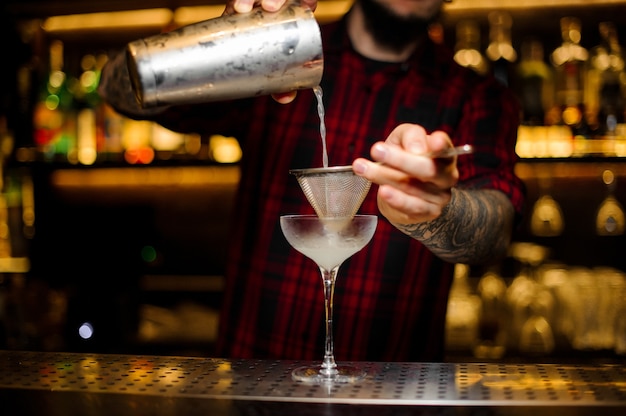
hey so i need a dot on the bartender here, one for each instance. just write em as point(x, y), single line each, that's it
point(391, 94)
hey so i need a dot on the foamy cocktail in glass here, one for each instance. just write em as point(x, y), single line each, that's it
point(328, 242)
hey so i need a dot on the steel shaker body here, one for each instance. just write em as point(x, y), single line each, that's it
point(229, 57)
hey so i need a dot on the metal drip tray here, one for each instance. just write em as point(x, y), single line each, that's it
point(161, 385)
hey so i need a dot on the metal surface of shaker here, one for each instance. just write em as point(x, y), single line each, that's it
point(229, 57)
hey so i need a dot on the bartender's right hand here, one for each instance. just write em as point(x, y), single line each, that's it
point(244, 6)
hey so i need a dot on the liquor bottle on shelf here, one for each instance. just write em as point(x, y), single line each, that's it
point(500, 50)
point(610, 215)
point(569, 60)
point(491, 289)
point(534, 83)
point(462, 317)
point(89, 117)
point(606, 80)
point(54, 119)
point(467, 48)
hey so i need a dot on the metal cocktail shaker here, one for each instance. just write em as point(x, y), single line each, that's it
point(233, 56)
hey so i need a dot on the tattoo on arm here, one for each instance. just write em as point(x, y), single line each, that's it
point(474, 227)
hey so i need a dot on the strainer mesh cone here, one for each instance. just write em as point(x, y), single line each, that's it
point(334, 192)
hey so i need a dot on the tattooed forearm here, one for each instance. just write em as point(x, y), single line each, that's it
point(474, 227)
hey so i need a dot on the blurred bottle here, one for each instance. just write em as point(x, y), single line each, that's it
point(524, 305)
point(606, 79)
point(586, 304)
point(467, 49)
point(620, 321)
point(492, 323)
point(569, 60)
point(500, 50)
point(6, 148)
point(436, 32)
point(546, 217)
point(113, 129)
point(611, 283)
point(536, 335)
point(534, 83)
point(53, 119)
point(610, 218)
point(463, 312)
point(90, 113)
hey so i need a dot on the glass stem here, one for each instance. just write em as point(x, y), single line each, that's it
point(329, 367)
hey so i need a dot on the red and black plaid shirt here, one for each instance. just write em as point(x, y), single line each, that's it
point(391, 297)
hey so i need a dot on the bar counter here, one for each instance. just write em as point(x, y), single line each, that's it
point(51, 383)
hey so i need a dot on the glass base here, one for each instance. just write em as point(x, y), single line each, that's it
point(316, 374)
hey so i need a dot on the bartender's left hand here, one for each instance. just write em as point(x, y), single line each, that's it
point(244, 6)
point(412, 188)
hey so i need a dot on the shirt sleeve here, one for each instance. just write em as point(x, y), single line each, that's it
point(490, 122)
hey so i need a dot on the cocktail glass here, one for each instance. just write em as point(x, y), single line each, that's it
point(328, 242)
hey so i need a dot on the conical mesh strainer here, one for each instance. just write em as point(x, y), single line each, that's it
point(333, 192)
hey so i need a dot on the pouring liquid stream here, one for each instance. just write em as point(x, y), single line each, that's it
point(320, 111)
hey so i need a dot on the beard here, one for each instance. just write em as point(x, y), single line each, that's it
point(391, 30)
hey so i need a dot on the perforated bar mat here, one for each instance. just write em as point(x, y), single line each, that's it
point(214, 386)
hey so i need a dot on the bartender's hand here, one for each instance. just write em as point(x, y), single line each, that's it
point(244, 6)
point(419, 196)
point(413, 188)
